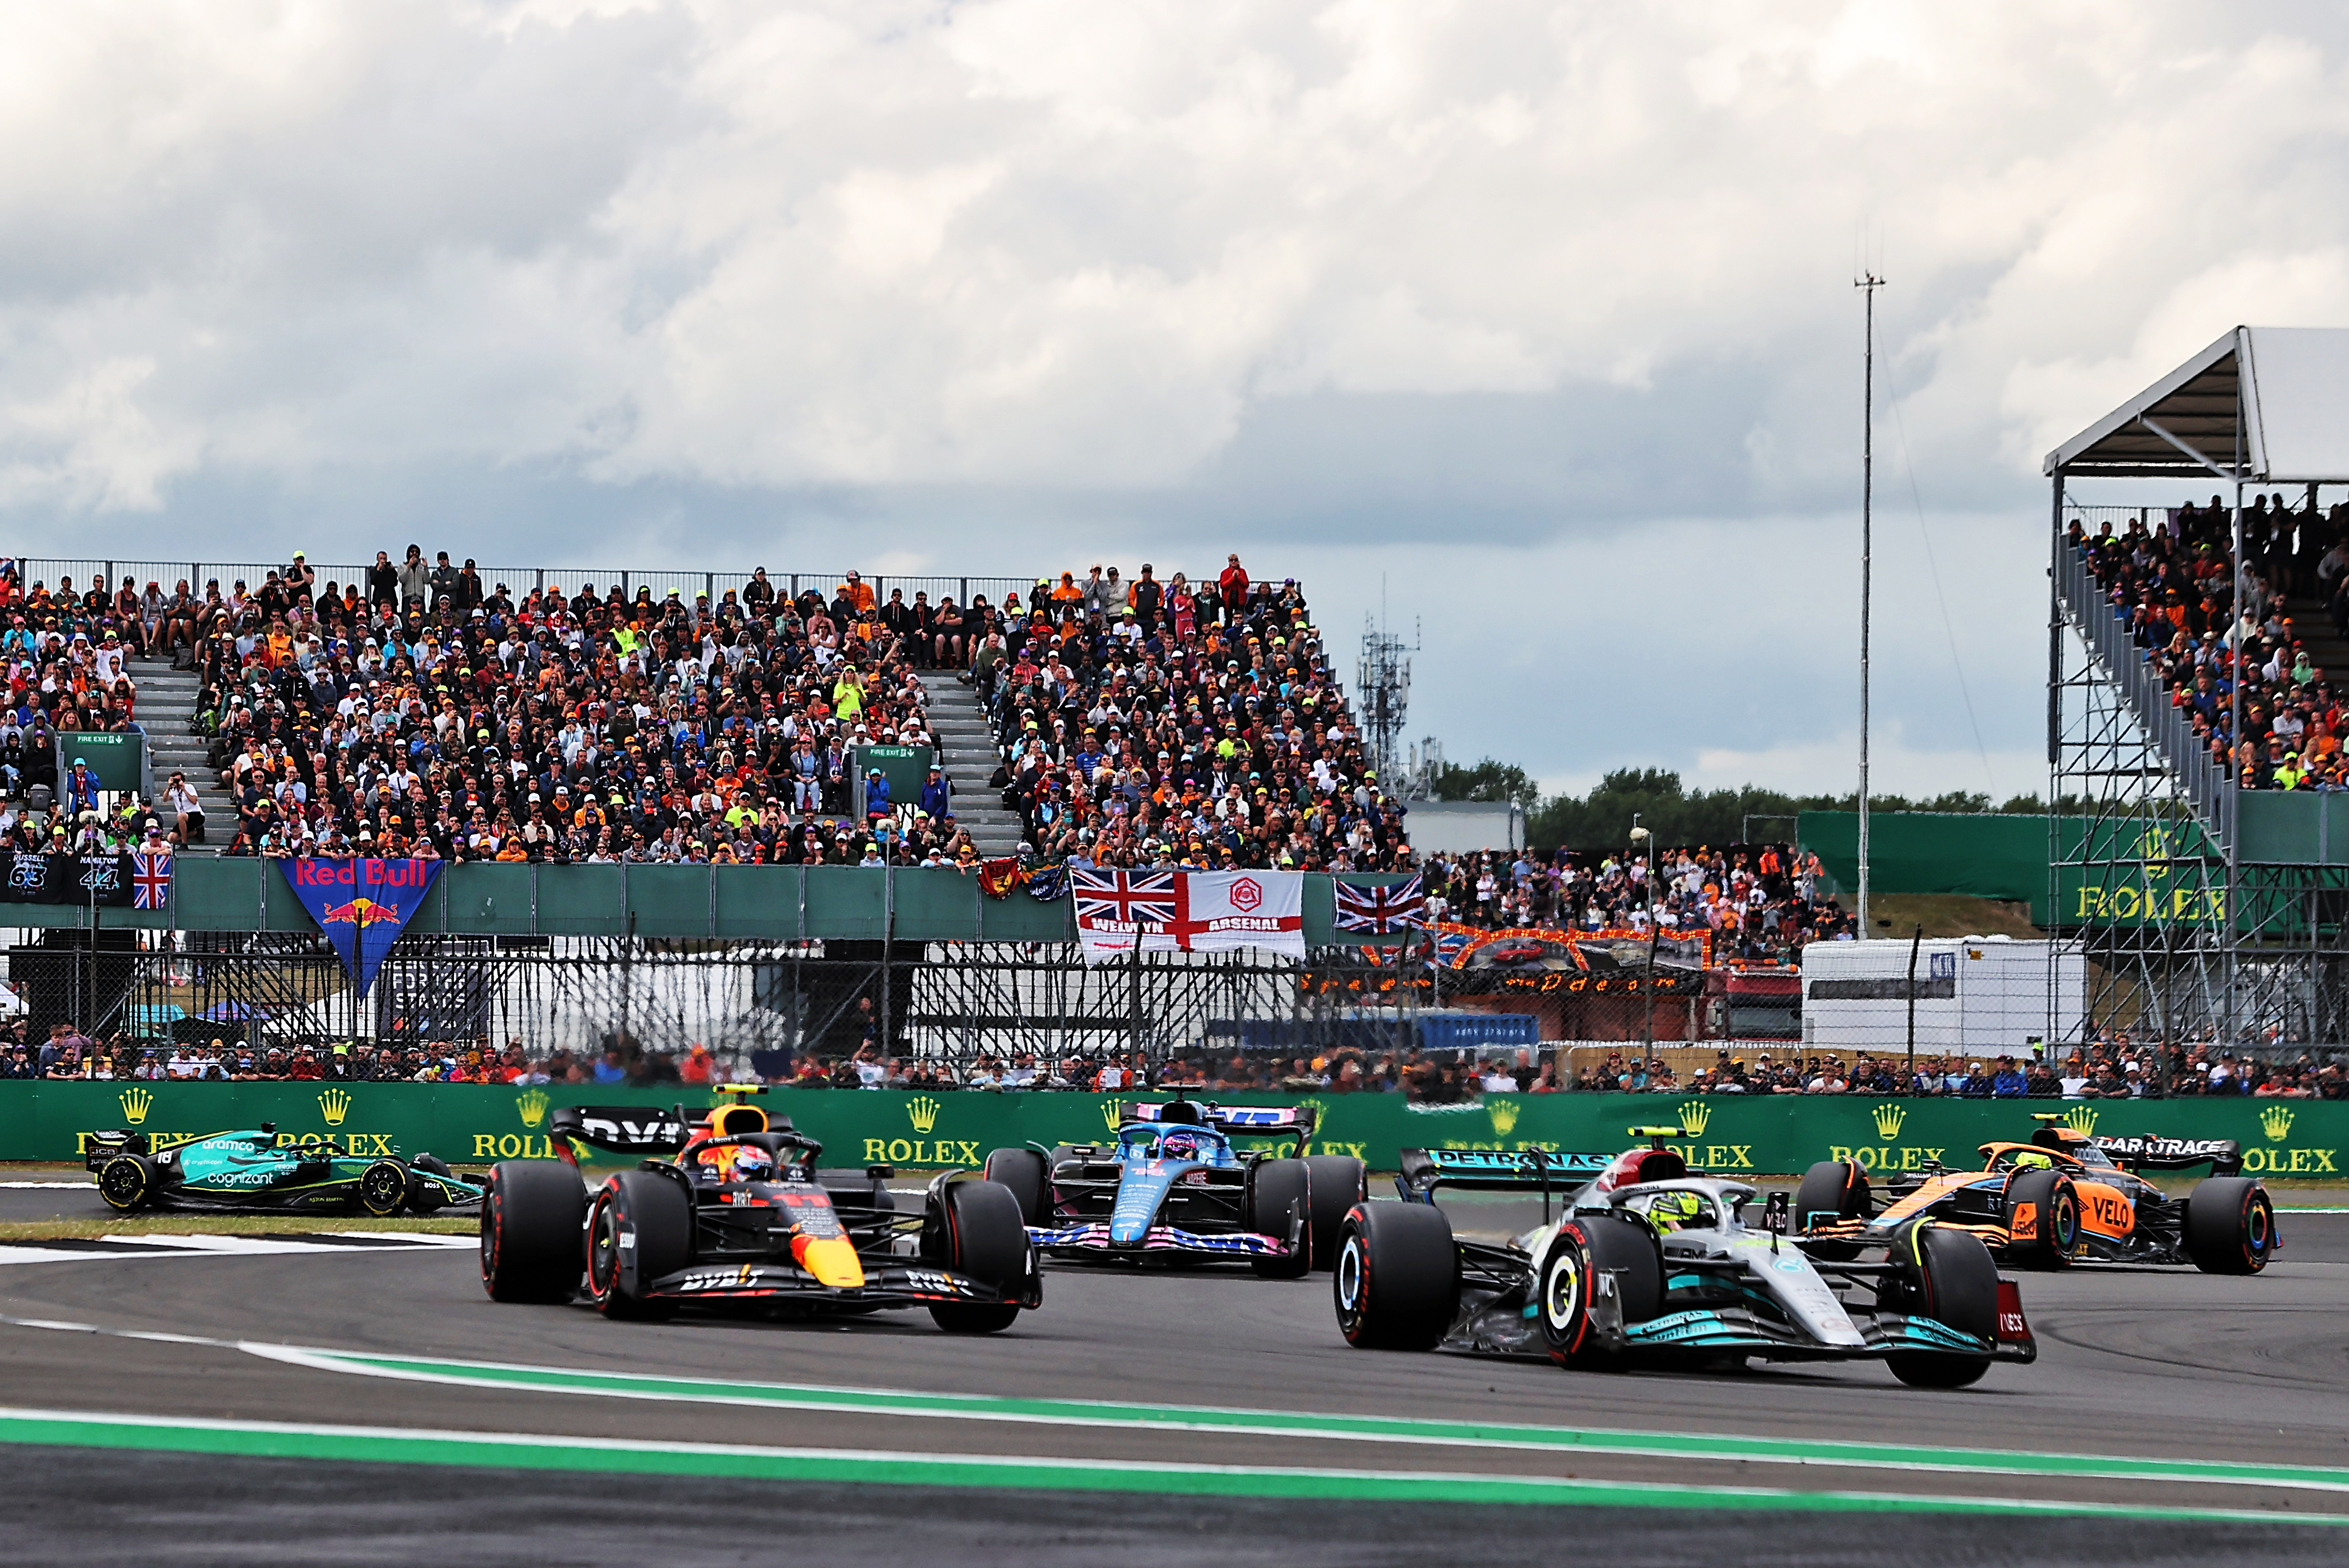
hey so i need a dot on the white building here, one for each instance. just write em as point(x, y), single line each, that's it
point(1985, 997)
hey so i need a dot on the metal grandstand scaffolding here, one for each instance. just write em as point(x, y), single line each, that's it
point(2206, 912)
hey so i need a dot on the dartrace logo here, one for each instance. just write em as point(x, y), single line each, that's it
point(136, 1103)
point(1693, 1114)
point(531, 1108)
point(1888, 1119)
point(2081, 1119)
point(1113, 1114)
point(335, 1105)
point(2275, 1121)
point(1504, 1115)
point(922, 1113)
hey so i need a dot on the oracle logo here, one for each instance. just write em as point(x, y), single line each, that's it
point(1245, 894)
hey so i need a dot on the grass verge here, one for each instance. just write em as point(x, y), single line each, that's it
point(227, 1225)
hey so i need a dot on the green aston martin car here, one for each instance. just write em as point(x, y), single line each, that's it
point(252, 1171)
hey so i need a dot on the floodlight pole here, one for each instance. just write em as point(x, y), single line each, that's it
point(1867, 283)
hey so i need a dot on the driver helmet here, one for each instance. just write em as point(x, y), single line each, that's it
point(2032, 1160)
point(1179, 1146)
point(750, 1163)
point(1672, 1210)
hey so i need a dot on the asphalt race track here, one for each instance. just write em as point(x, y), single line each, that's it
point(272, 1400)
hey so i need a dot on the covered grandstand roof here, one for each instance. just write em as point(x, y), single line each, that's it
point(2262, 405)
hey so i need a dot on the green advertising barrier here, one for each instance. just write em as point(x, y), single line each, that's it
point(1727, 1133)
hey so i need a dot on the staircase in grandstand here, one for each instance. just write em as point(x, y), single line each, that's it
point(970, 756)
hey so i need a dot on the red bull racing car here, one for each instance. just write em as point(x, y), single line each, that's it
point(2064, 1198)
point(737, 1215)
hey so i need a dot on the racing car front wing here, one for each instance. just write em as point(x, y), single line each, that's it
point(1094, 1237)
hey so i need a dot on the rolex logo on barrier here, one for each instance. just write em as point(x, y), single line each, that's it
point(1889, 1119)
point(2275, 1121)
point(1693, 1114)
point(531, 1108)
point(1113, 1114)
point(922, 1113)
point(2081, 1119)
point(1504, 1115)
point(136, 1103)
point(335, 1105)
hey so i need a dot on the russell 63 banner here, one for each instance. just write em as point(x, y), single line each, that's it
point(361, 905)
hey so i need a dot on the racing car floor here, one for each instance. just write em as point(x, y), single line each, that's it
point(333, 1403)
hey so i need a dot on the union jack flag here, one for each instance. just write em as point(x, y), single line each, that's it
point(1381, 910)
point(151, 880)
point(1125, 897)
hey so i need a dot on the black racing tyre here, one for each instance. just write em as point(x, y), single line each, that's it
point(650, 1215)
point(1831, 1191)
point(1955, 1284)
point(2229, 1226)
point(1396, 1279)
point(1564, 1282)
point(127, 1182)
point(531, 1220)
point(1280, 1194)
point(983, 1236)
point(1336, 1183)
point(2053, 1219)
point(383, 1188)
point(1023, 1172)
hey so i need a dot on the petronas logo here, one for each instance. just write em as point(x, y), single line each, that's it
point(1504, 1115)
point(2081, 1119)
point(531, 1107)
point(2275, 1121)
point(335, 1105)
point(922, 1113)
point(1693, 1114)
point(1889, 1119)
point(136, 1103)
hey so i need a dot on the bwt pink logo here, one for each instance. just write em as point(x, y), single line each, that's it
point(1247, 895)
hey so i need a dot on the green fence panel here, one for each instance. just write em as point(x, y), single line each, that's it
point(485, 897)
point(934, 904)
point(844, 902)
point(582, 900)
point(1729, 1135)
point(758, 900)
point(1021, 918)
point(670, 900)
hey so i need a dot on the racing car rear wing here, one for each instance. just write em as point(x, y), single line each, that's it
point(640, 1129)
point(1262, 1121)
point(2148, 1151)
point(1422, 1170)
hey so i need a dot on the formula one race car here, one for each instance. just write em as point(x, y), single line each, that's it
point(1174, 1187)
point(1653, 1263)
point(251, 1171)
point(739, 1216)
point(2060, 1200)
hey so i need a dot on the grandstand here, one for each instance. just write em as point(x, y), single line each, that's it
point(2194, 714)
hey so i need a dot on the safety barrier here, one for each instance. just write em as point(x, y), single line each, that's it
point(1729, 1135)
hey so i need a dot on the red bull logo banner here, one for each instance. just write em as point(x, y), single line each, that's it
point(362, 905)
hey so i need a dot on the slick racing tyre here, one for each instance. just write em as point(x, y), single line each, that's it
point(1566, 1283)
point(2044, 1202)
point(1280, 1194)
point(127, 1182)
point(982, 1236)
point(639, 1231)
point(1954, 1283)
point(531, 1219)
point(1337, 1182)
point(2229, 1226)
point(1396, 1282)
point(1023, 1172)
point(383, 1188)
point(1832, 1190)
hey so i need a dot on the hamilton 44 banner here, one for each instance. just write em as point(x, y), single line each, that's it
point(1187, 911)
point(361, 905)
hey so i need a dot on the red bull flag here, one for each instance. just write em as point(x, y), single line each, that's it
point(362, 905)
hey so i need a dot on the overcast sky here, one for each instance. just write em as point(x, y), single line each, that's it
point(1532, 322)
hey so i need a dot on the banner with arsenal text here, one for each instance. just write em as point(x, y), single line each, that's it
point(361, 905)
point(1187, 911)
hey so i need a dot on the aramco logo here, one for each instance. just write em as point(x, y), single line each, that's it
point(922, 1113)
point(2081, 1119)
point(531, 1108)
point(1247, 894)
point(2275, 1121)
point(335, 1105)
point(1693, 1116)
point(1504, 1114)
point(1889, 1119)
point(136, 1103)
